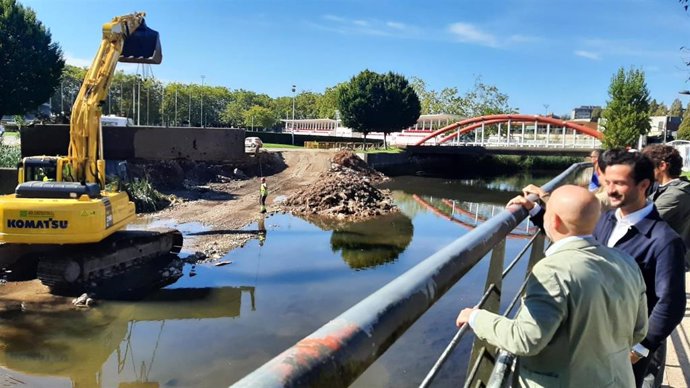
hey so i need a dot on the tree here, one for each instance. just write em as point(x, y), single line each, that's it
point(684, 129)
point(328, 103)
point(30, 63)
point(378, 102)
point(483, 99)
point(627, 112)
point(676, 109)
point(258, 116)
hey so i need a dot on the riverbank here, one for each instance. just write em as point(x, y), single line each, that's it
point(224, 209)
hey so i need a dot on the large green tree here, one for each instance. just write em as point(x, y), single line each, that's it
point(30, 63)
point(676, 108)
point(626, 116)
point(684, 129)
point(378, 102)
point(327, 105)
point(259, 116)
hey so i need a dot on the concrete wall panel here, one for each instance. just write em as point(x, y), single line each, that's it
point(8, 180)
point(208, 144)
point(151, 143)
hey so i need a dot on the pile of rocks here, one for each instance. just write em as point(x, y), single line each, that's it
point(344, 192)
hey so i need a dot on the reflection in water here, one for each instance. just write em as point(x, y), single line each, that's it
point(76, 344)
point(140, 281)
point(261, 226)
point(373, 242)
point(471, 214)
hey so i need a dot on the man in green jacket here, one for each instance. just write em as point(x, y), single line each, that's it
point(584, 306)
point(672, 195)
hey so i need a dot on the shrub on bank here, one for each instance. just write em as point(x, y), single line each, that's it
point(10, 155)
point(532, 163)
point(145, 197)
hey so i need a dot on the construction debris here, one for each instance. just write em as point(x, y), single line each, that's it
point(345, 192)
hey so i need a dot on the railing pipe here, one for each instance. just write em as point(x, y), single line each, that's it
point(500, 375)
point(338, 352)
point(453, 343)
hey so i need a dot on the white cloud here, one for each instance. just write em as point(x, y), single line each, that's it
point(517, 38)
point(396, 25)
point(334, 18)
point(467, 33)
point(74, 61)
point(129, 68)
point(587, 54)
point(347, 26)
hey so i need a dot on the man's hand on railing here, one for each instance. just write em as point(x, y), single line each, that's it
point(522, 201)
point(534, 189)
point(464, 316)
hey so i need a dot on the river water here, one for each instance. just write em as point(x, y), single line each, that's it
point(215, 324)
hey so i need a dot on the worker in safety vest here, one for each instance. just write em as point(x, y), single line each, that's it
point(263, 193)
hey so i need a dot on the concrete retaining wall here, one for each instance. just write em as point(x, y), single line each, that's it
point(379, 161)
point(8, 180)
point(150, 143)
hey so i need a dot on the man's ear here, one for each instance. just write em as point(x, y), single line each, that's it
point(557, 222)
point(663, 166)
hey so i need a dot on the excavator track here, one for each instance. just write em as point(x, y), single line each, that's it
point(84, 266)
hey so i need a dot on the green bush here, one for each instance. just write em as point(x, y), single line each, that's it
point(145, 197)
point(10, 155)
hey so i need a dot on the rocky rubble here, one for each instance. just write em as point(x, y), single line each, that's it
point(345, 192)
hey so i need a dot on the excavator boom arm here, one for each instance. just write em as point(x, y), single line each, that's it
point(125, 38)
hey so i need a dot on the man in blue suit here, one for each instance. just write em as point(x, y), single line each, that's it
point(635, 227)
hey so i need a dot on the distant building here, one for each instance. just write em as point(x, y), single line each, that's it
point(659, 123)
point(583, 113)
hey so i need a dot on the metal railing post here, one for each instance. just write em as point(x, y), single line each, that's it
point(480, 349)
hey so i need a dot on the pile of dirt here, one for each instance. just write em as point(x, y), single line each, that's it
point(351, 161)
point(345, 192)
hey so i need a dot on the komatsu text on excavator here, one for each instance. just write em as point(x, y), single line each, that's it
point(61, 216)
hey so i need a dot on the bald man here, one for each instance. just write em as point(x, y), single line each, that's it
point(583, 309)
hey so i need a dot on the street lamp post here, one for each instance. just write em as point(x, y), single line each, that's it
point(202, 100)
point(294, 89)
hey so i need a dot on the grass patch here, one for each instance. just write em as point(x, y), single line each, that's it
point(10, 155)
point(11, 134)
point(390, 150)
point(276, 145)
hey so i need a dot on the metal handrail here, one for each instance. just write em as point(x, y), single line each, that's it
point(465, 327)
point(338, 352)
point(453, 343)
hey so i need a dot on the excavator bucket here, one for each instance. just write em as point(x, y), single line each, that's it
point(143, 46)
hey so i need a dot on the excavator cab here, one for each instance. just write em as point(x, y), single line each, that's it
point(143, 46)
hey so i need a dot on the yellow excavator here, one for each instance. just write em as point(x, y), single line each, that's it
point(61, 216)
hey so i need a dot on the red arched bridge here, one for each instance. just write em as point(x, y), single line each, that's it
point(515, 131)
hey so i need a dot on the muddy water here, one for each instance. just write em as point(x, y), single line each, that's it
point(215, 324)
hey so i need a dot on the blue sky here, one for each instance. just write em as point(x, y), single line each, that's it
point(560, 53)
